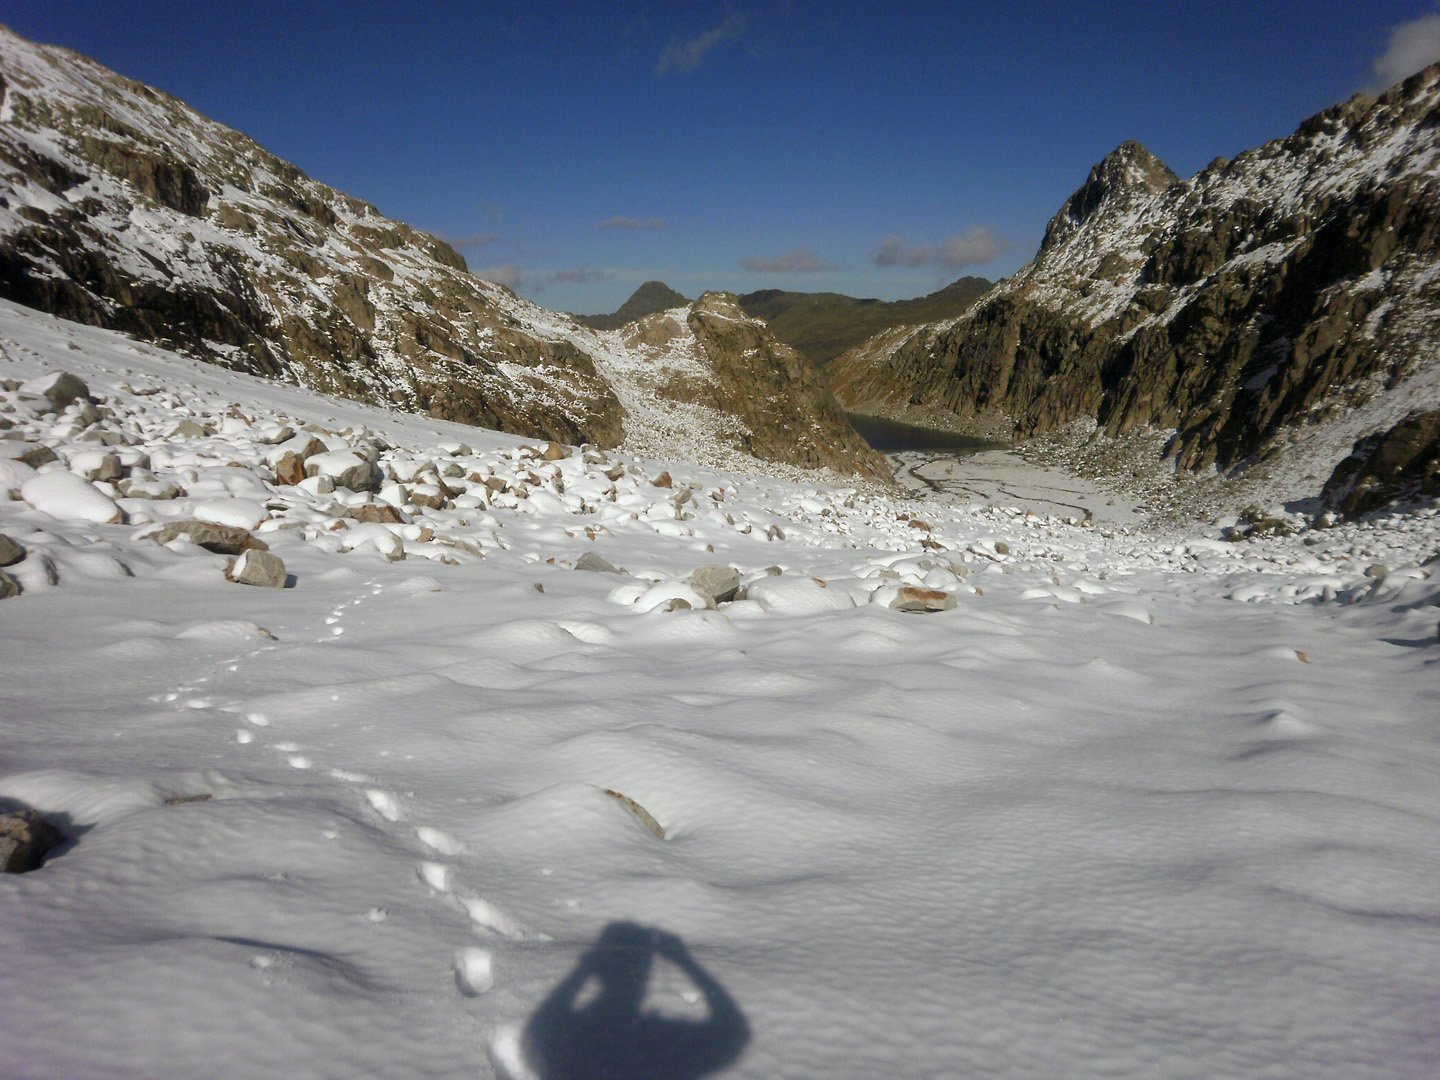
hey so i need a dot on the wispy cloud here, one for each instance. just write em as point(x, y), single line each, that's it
point(473, 240)
point(515, 278)
point(508, 275)
point(973, 247)
point(1412, 46)
point(622, 222)
point(799, 261)
point(687, 54)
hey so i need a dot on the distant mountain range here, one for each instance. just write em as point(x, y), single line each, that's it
point(1276, 315)
point(820, 325)
point(122, 207)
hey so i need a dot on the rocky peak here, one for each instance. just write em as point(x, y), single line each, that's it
point(648, 299)
point(1126, 175)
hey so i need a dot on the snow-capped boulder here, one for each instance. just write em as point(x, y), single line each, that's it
point(66, 496)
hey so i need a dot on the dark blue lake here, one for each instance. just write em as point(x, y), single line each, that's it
point(891, 437)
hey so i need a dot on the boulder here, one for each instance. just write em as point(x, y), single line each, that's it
point(915, 599)
point(720, 583)
point(40, 455)
point(25, 839)
point(221, 539)
point(378, 513)
point(553, 452)
point(290, 469)
point(346, 469)
point(11, 552)
point(59, 388)
point(596, 564)
point(258, 568)
point(8, 586)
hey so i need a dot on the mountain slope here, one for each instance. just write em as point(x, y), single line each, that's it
point(649, 299)
point(824, 325)
point(1271, 310)
point(121, 207)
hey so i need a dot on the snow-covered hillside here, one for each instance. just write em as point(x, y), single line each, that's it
point(1135, 805)
point(122, 207)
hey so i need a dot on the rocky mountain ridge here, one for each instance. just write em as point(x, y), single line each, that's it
point(122, 207)
point(1267, 315)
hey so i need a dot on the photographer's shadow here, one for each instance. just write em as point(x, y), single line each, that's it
point(593, 1025)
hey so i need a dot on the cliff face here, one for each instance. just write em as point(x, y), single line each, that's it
point(122, 207)
point(1294, 287)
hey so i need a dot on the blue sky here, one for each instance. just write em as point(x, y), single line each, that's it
point(575, 150)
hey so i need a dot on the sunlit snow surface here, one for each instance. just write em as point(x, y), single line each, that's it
point(1141, 805)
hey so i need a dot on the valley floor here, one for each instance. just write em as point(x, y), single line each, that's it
point(1141, 804)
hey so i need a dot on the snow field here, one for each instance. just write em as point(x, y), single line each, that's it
point(1140, 805)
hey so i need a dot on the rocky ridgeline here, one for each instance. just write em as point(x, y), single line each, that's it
point(121, 207)
point(1275, 307)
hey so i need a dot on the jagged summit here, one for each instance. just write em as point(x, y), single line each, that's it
point(649, 298)
point(1261, 318)
point(1126, 175)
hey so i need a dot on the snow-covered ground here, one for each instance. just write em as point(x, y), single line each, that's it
point(1141, 804)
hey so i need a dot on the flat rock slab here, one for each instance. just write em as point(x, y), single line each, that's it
point(914, 599)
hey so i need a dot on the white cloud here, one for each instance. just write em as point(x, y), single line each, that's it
point(509, 275)
point(517, 279)
point(973, 247)
point(622, 222)
point(1413, 45)
point(799, 261)
point(687, 54)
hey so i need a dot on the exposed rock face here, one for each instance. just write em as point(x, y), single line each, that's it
point(1292, 286)
point(121, 207)
point(1402, 462)
point(776, 402)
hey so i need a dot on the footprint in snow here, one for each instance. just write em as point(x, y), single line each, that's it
point(486, 916)
point(439, 841)
point(383, 803)
point(474, 970)
point(435, 875)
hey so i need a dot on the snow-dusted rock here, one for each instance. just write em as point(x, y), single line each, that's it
point(596, 563)
point(25, 839)
point(345, 468)
point(719, 582)
point(8, 586)
point(221, 539)
point(64, 495)
point(59, 388)
point(237, 513)
point(256, 567)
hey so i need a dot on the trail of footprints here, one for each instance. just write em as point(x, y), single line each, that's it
point(474, 965)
